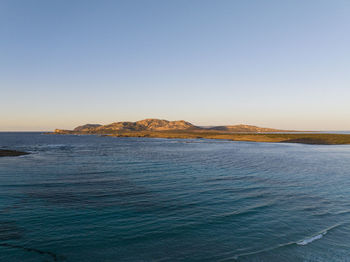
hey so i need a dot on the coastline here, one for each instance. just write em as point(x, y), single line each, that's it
point(301, 138)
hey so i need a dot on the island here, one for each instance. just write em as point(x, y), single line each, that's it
point(4, 152)
point(157, 128)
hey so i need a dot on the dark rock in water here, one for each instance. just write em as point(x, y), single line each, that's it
point(12, 153)
point(54, 256)
point(9, 231)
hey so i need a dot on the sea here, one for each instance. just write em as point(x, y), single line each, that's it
point(96, 198)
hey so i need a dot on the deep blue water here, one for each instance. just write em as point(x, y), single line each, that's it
point(90, 198)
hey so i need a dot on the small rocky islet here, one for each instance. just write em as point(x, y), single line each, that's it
point(6, 152)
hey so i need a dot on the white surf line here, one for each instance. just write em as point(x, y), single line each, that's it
point(315, 237)
point(311, 239)
point(318, 235)
point(258, 251)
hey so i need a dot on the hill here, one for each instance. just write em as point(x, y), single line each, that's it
point(247, 129)
point(152, 124)
point(158, 128)
point(142, 125)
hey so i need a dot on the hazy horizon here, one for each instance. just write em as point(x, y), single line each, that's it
point(275, 64)
point(200, 125)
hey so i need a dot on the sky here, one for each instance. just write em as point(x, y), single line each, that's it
point(279, 64)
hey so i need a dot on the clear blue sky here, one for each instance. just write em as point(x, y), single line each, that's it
point(282, 64)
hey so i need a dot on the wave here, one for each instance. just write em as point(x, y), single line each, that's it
point(303, 242)
point(343, 212)
point(319, 235)
point(311, 239)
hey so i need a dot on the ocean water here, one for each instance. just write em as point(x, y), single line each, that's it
point(90, 198)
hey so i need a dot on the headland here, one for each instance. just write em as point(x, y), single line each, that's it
point(156, 128)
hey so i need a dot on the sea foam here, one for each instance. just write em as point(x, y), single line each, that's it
point(311, 239)
point(318, 236)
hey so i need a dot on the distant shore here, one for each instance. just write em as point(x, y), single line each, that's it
point(160, 128)
point(303, 138)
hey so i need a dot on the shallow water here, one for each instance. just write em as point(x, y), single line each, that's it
point(90, 198)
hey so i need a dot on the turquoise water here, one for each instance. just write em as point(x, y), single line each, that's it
point(89, 198)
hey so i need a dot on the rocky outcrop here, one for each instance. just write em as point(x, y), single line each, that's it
point(4, 152)
point(149, 124)
point(161, 125)
point(63, 131)
point(143, 125)
point(86, 128)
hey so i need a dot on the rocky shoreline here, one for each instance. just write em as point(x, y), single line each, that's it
point(301, 138)
point(5, 152)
